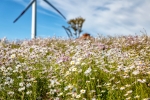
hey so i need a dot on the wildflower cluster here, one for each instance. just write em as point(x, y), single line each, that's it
point(112, 68)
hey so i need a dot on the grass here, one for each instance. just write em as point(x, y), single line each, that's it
point(109, 68)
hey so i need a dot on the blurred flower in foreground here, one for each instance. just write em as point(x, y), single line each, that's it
point(13, 56)
point(88, 71)
point(136, 72)
point(82, 91)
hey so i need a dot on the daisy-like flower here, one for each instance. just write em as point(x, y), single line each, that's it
point(88, 71)
point(136, 72)
point(67, 73)
point(78, 96)
point(136, 96)
point(13, 56)
point(128, 98)
point(132, 67)
point(82, 91)
point(128, 85)
point(128, 92)
point(141, 80)
point(77, 61)
point(82, 64)
point(72, 62)
point(28, 92)
point(148, 84)
point(28, 84)
point(74, 94)
point(93, 98)
point(103, 91)
point(21, 89)
point(21, 84)
point(10, 93)
point(74, 69)
point(122, 88)
point(126, 95)
point(60, 94)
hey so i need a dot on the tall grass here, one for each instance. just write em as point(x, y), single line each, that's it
point(112, 68)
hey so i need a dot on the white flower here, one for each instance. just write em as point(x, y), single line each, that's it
point(11, 81)
point(146, 98)
point(18, 66)
point(126, 95)
point(21, 89)
point(128, 85)
point(131, 67)
point(88, 71)
point(68, 87)
point(67, 73)
point(74, 95)
point(128, 92)
point(80, 70)
point(92, 91)
point(8, 78)
point(9, 68)
point(93, 98)
point(72, 62)
point(77, 62)
point(125, 76)
point(108, 84)
point(20, 77)
point(122, 88)
point(74, 69)
point(136, 72)
point(128, 98)
point(10, 93)
point(60, 94)
point(142, 81)
point(28, 84)
point(79, 59)
point(82, 91)
point(6, 83)
point(82, 64)
point(28, 92)
point(56, 98)
point(78, 96)
point(137, 96)
point(21, 84)
point(117, 82)
point(13, 56)
point(3, 68)
point(103, 91)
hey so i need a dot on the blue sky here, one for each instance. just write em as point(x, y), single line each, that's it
point(107, 17)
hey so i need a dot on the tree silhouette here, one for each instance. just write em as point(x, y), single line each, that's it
point(76, 25)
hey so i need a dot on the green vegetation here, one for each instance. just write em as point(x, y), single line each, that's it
point(108, 68)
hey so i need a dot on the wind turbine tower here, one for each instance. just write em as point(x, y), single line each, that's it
point(33, 3)
point(33, 27)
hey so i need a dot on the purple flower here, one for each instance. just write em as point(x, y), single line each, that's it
point(62, 58)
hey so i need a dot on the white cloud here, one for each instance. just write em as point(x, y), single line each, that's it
point(107, 16)
point(110, 17)
point(22, 2)
point(46, 13)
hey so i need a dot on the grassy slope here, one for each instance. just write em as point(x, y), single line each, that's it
point(112, 68)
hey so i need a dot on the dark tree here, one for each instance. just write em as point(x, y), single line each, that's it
point(75, 25)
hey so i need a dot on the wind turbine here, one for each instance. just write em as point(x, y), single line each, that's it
point(33, 3)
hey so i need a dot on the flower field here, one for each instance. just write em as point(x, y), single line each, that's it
point(107, 68)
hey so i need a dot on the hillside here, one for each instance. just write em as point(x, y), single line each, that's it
point(107, 68)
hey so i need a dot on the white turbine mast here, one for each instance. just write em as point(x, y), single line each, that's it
point(33, 3)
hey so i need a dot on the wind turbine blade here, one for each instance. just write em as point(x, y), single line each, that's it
point(24, 11)
point(55, 9)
